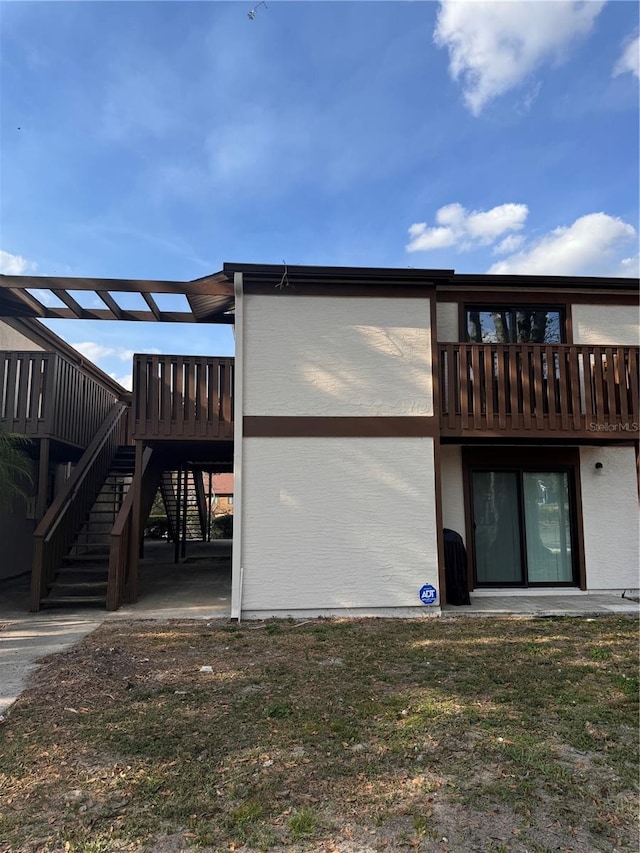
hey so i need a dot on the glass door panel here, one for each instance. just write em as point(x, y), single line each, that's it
point(497, 529)
point(547, 527)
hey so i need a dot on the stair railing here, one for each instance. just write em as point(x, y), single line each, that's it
point(201, 500)
point(123, 552)
point(63, 520)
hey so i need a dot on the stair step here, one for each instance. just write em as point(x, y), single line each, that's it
point(95, 569)
point(79, 586)
point(73, 599)
point(85, 558)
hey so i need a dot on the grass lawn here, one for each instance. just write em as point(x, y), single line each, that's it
point(336, 736)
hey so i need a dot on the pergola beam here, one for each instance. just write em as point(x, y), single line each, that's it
point(213, 298)
point(211, 286)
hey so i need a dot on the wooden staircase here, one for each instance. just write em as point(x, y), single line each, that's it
point(172, 491)
point(82, 577)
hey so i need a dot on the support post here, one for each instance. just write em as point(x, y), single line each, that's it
point(238, 413)
point(185, 497)
point(136, 532)
point(178, 526)
point(43, 478)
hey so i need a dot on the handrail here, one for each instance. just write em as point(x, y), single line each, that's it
point(120, 548)
point(63, 519)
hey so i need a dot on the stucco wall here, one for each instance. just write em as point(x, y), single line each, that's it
point(337, 523)
point(606, 325)
point(447, 322)
point(340, 357)
point(10, 339)
point(610, 513)
point(452, 488)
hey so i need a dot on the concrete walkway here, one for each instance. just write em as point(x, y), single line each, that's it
point(573, 603)
point(199, 588)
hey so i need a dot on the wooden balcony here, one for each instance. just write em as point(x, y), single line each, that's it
point(179, 397)
point(43, 395)
point(537, 391)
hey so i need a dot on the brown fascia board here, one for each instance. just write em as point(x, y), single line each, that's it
point(51, 342)
point(273, 273)
point(443, 278)
point(464, 281)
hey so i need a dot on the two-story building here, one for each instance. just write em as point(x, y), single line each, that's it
point(505, 408)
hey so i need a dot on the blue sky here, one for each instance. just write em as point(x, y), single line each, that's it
point(161, 139)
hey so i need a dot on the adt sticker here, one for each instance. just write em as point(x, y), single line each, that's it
point(428, 594)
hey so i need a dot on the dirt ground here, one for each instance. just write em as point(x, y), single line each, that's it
point(335, 736)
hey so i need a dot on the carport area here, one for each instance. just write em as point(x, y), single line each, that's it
point(197, 587)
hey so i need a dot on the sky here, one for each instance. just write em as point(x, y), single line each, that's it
point(158, 140)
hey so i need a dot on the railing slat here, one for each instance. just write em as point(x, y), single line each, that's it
point(489, 382)
point(476, 387)
point(562, 385)
point(514, 377)
point(574, 378)
point(464, 386)
point(525, 367)
point(610, 379)
point(622, 383)
point(453, 377)
point(598, 381)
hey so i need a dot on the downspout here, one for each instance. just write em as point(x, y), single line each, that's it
point(238, 410)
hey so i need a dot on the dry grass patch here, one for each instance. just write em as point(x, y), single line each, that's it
point(343, 736)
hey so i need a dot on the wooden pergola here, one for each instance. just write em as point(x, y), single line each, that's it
point(208, 300)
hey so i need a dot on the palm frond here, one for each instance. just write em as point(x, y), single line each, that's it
point(15, 467)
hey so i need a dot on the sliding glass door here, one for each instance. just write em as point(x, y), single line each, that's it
point(522, 528)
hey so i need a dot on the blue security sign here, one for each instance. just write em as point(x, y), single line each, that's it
point(428, 594)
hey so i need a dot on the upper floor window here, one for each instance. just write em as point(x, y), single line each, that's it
point(514, 325)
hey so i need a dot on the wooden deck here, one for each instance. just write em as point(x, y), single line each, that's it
point(43, 395)
point(535, 390)
point(183, 398)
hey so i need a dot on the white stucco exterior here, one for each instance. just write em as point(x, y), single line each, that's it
point(11, 339)
point(606, 325)
point(447, 322)
point(337, 356)
point(452, 489)
point(338, 525)
point(610, 515)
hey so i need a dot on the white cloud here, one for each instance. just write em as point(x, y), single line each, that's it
point(495, 46)
point(592, 245)
point(14, 264)
point(466, 229)
point(96, 352)
point(630, 267)
point(125, 381)
point(510, 244)
point(630, 59)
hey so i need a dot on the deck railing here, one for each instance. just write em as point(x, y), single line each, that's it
point(44, 395)
point(533, 388)
point(182, 397)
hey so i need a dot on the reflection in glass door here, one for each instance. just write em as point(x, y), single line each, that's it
point(522, 528)
point(548, 528)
